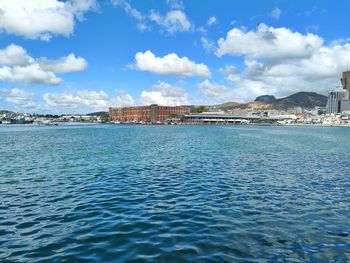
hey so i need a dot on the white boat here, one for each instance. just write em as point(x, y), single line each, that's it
point(46, 123)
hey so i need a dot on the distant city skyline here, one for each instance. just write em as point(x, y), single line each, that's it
point(87, 55)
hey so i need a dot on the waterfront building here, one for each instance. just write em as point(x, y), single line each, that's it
point(335, 99)
point(224, 118)
point(345, 80)
point(339, 100)
point(146, 114)
point(345, 106)
point(298, 110)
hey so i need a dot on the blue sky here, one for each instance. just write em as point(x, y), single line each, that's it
point(85, 55)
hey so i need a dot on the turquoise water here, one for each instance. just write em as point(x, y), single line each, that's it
point(103, 193)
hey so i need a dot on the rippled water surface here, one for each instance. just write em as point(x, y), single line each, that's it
point(174, 194)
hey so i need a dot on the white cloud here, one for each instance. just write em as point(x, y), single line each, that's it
point(37, 19)
point(318, 73)
point(281, 62)
point(170, 64)
point(175, 4)
point(208, 45)
point(14, 55)
point(247, 90)
point(129, 9)
point(20, 98)
point(173, 21)
point(142, 26)
point(79, 101)
point(18, 66)
point(122, 100)
point(163, 93)
point(201, 29)
point(30, 74)
point(214, 91)
point(231, 72)
point(268, 42)
point(142, 23)
point(82, 99)
point(276, 13)
point(69, 63)
point(313, 27)
point(211, 21)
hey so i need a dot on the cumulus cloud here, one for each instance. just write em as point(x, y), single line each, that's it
point(309, 66)
point(82, 99)
point(37, 19)
point(122, 100)
point(211, 21)
point(268, 42)
point(14, 55)
point(69, 63)
point(79, 101)
point(170, 64)
point(231, 72)
point(86, 100)
point(164, 93)
point(278, 61)
point(30, 74)
point(276, 13)
point(17, 65)
point(20, 98)
point(246, 90)
point(319, 73)
point(172, 22)
point(214, 91)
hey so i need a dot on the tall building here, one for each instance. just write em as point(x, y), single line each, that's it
point(145, 114)
point(338, 100)
point(335, 99)
point(345, 80)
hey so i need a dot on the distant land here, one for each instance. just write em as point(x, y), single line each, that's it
point(306, 100)
point(5, 111)
point(266, 98)
point(99, 113)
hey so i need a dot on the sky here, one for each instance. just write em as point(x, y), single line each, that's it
point(80, 56)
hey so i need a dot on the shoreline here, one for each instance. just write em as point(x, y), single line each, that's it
point(178, 124)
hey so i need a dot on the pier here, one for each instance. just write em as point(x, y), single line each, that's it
point(232, 119)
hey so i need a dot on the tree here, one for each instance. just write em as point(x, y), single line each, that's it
point(104, 118)
point(199, 109)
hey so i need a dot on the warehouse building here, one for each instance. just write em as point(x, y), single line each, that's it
point(146, 114)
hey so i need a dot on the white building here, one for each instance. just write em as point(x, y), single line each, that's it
point(337, 100)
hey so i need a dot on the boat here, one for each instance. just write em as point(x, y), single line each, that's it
point(46, 123)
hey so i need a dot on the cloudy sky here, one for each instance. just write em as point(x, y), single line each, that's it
point(86, 55)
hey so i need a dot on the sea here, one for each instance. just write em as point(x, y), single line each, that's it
point(176, 193)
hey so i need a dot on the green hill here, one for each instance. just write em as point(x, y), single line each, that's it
point(226, 105)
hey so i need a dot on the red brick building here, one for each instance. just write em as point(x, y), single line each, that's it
point(146, 114)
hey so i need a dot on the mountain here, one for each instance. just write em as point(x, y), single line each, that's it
point(6, 112)
point(266, 98)
point(306, 100)
point(99, 113)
